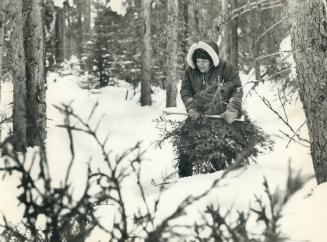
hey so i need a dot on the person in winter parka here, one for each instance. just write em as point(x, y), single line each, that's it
point(215, 79)
point(207, 71)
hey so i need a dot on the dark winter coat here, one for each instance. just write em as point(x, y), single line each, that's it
point(221, 85)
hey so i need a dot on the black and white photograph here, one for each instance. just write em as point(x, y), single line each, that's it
point(163, 120)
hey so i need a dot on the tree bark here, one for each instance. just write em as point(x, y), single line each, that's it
point(257, 47)
point(185, 25)
point(193, 21)
point(68, 32)
point(86, 27)
point(50, 32)
point(60, 34)
point(87, 18)
point(146, 54)
point(80, 27)
point(172, 49)
point(19, 77)
point(196, 16)
point(3, 6)
point(35, 72)
point(234, 38)
point(63, 34)
point(225, 51)
point(308, 23)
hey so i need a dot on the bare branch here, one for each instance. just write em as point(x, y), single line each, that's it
point(283, 106)
point(92, 111)
point(268, 104)
point(266, 31)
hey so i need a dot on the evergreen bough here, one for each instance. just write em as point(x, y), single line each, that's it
point(214, 144)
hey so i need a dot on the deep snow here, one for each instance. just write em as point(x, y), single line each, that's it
point(127, 123)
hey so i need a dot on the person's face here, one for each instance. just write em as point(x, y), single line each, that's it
point(203, 65)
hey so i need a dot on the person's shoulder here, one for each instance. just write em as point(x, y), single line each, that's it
point(227, 65)
point(190, 71)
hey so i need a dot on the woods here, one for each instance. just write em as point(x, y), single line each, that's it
point(80, 79)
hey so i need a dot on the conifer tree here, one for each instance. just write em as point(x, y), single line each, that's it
point(104, 46)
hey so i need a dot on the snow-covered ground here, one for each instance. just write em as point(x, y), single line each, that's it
point(126, 122)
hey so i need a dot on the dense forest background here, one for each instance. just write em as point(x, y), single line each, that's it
point(113, 46)
point(145, 44)
point(58, 56)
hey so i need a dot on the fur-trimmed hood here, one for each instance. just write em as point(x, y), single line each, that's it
point(210, 47)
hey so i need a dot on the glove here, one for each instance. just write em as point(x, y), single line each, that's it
point(229, 116)
point(194, 115)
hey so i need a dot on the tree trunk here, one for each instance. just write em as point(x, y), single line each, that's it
point(183, 36)
point(257, 47)
point(3, 6)
point(50, 32)
point(193, 21)
point(271, 38)
point(86, 28)
point(196, 19)
point(185, 20)
point(84, 24)
point(60, 34)
point(19, 77)
point(225, 51)
point(308, 22)
point(35, 72)
point(146, 54)
point(234, 38)
point(63, 34)
point(172, 49)
point(79, 33)
point(87, 18)
point(68, 32)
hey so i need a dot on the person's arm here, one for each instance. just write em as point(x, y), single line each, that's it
point(187, 93)
point(234, 105)
point(235, 100)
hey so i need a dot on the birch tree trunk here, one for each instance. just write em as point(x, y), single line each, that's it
point(35, 72)
point(172, 49)
point(308, 23)
point(146, 54)
point(19, 77)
